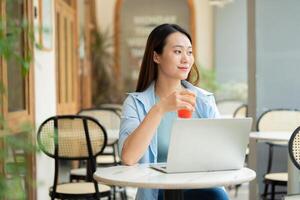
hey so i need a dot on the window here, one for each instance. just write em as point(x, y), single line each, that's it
point(17, 102)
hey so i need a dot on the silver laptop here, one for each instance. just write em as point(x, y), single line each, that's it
point(206, 145)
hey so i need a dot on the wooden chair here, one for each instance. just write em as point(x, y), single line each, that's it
point(71, 137)
point(276, 120)
point(294, 152)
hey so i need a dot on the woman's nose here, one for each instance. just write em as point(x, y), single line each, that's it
point(184, 58)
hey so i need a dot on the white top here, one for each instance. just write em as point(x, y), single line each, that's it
point(271, 136)
point(141, 175)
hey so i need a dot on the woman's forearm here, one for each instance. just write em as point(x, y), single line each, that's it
point(137, 142)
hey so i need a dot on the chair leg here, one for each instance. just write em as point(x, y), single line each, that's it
point(124, 194)
point(114, 192)
point(236, 187)
point(273, 192)
point(265, 191)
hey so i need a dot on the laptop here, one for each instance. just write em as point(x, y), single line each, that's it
point(201, 145)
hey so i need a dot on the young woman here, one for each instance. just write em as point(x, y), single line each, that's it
point(165, 85)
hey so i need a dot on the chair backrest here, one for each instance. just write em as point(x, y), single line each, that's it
point(278, 120)
point(228, 107)
point(71, 137)
point(117, 107)
point(108, 117)
point(294, 147)
point(241, 111)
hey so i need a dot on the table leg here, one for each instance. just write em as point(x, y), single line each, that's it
point(293, 178)
point(252, 164)
point(173, 195)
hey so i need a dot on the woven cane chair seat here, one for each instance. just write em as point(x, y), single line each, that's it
point(80, 188)
point(292, 197)
point(277, 176)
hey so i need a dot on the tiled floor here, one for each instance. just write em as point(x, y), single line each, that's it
point(242, 194)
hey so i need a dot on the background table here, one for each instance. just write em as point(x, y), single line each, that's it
point(143, 176)
point(112, 135)
point(293, 173)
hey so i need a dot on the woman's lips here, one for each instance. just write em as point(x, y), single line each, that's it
point(183, 68)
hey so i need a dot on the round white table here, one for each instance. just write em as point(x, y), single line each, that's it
point(143, 176)
point(293, 173)
point(271, 136)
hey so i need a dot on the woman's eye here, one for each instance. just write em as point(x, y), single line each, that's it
point(177, 51)
point(190, 53)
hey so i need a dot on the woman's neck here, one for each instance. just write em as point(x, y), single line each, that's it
point(164, 88)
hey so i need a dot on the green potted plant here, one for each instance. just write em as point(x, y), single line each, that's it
point(105, 87)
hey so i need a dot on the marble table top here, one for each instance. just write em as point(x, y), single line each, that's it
point(141, 175)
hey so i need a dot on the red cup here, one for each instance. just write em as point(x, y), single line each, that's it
point(184, 113)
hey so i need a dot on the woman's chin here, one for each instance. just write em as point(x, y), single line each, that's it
point(184, 77)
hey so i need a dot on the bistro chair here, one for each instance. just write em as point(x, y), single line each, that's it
point(276, 120)
point(110, 119)
point(241, 111)
point(294, 152)
point(228, 107)
point(117, 107)
point(72, 137)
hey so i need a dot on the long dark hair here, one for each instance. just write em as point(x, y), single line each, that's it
point(156, 42)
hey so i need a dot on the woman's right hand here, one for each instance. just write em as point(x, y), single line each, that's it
point(183, 99)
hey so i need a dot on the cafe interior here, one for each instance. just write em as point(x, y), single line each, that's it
point(66, 67)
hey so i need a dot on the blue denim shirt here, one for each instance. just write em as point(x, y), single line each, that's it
point(135, 108)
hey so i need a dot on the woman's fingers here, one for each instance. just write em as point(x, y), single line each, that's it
point(187, 92)
point(184, 99)
point(188, 99)
point(186, 106)
point(187, 96)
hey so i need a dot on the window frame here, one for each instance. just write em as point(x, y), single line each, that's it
point(26, 115)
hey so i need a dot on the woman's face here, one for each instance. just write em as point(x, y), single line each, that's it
point(177, 58)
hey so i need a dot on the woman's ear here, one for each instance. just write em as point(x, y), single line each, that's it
point(156, 58)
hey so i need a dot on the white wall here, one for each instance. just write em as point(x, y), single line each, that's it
point(45, 106)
